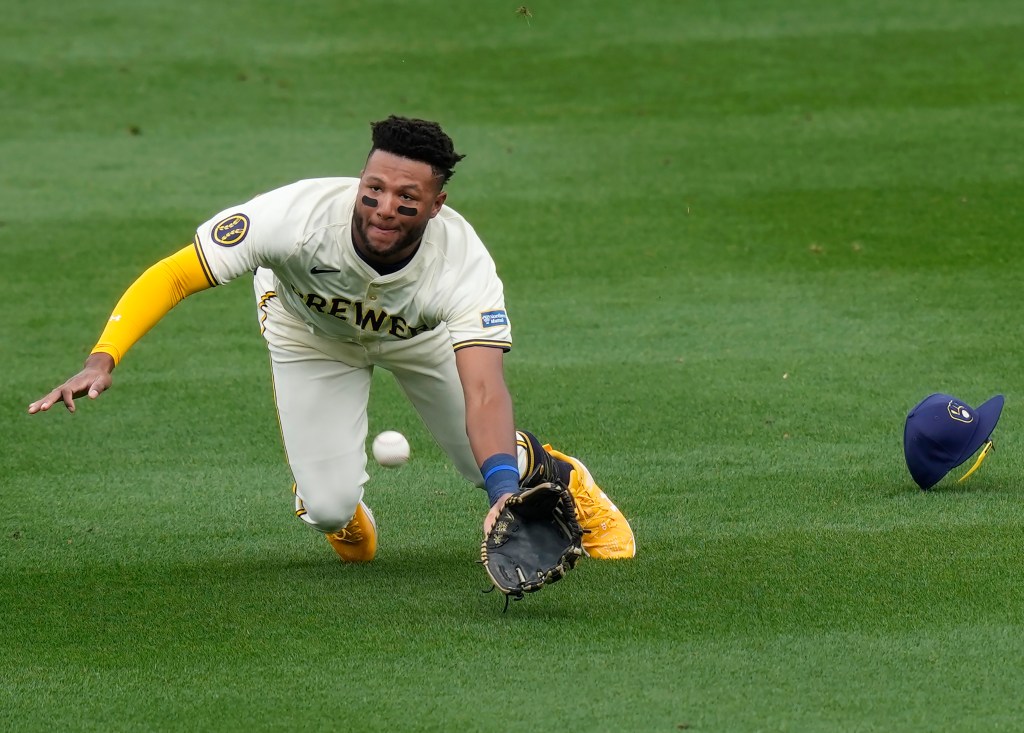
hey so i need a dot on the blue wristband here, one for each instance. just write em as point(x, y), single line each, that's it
point(501, 476)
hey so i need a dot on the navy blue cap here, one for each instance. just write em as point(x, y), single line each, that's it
point(942, 432)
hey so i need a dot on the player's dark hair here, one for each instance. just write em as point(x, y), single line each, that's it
point(416, 139)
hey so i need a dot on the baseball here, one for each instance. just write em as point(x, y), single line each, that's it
point(391, 449)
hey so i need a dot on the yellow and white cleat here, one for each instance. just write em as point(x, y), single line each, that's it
point(607, 534)
point(357, 541)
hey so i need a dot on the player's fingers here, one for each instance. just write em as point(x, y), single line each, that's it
point(44, 403)
point(67, 396)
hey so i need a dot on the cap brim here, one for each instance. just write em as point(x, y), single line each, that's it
point(988, 415)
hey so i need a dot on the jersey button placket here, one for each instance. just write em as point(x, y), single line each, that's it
point(367, 339)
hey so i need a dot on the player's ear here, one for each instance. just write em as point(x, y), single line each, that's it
point(438, 203)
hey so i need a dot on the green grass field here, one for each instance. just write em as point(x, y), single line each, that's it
point(739, 240)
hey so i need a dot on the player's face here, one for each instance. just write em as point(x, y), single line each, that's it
point(397, 198)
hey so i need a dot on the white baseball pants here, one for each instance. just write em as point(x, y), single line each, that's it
point(322, 386)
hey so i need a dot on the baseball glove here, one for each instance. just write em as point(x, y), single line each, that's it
point(535, 540)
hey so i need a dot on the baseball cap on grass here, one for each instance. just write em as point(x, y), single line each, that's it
point(942, 432)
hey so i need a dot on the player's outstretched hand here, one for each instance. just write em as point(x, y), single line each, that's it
point(93, 380)
point(493, 514)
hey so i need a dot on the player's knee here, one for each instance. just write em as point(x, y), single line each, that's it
point(326, 499)
point(329, 513)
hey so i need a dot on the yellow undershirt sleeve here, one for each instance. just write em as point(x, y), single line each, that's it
point(151, 297)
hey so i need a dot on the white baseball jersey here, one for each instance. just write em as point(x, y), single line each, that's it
point(303, 234)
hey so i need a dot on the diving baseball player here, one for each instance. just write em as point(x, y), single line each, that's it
point(352, 274)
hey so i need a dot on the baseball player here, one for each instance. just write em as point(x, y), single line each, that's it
point(352, 274)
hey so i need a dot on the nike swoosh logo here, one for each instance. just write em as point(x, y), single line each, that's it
point(317, 270)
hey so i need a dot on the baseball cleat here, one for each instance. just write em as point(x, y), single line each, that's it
point(357, 541)
point(607, 534)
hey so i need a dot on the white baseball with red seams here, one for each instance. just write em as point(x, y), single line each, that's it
point(391, 449)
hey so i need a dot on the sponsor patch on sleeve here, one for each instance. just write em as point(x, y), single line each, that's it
point(490, 319)
point(230, 230)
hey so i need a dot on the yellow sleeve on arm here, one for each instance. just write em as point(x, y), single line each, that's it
point(151, 297)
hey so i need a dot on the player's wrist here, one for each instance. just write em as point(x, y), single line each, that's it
point(100, 360)
point(501, 476)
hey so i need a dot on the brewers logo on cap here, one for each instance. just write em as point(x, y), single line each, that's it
point(231, 230)
point(959, 412)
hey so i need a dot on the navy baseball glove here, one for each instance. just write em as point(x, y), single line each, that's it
point(535, 540)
